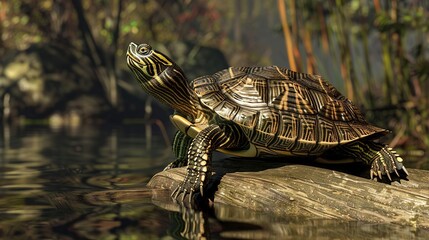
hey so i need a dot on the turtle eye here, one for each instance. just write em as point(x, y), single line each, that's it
point(144, 49)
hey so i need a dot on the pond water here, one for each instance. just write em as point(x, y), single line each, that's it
point(89, 183)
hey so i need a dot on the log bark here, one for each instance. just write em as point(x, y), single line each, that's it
point(295, 189)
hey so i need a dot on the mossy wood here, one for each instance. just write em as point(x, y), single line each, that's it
point(312, 191)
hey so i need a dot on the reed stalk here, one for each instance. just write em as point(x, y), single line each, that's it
point(295, 35)
point(287, 36)
point(311, 61)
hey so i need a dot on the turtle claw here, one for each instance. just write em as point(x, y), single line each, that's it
point(380, 167)
point(396, 171)
point(372, 174)
point(388, 175)
point(175, 193)
point(202, 190)
point(185, 194)
point(191, 194)
point(405, 170)
point(179, 194)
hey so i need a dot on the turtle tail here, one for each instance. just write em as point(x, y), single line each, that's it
point(382, 159)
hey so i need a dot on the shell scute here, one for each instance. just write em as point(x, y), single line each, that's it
point(290, 100)
point(327, 132)
point(289, 127)
point(266, 128)
point(247, 118)
point(247, 90)
point(227, 109)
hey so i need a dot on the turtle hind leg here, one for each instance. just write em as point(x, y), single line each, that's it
point(386, 161)
point(382, 159)
point(181, 143)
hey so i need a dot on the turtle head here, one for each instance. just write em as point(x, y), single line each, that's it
point(145, 62)
point(162, 78)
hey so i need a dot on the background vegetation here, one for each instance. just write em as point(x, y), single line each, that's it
point(374, 51)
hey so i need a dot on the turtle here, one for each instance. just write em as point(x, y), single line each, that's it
point(256, 112)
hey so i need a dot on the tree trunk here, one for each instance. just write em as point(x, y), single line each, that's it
point(293, 189)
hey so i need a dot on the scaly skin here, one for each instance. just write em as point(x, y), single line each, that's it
point(199, 162)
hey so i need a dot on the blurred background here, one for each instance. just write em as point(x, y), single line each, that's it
point(63, 62)
point(73, 121)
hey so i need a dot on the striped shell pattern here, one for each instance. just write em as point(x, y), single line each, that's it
point(283, 110)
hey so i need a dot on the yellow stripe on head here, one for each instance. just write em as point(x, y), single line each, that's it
point(148, 62)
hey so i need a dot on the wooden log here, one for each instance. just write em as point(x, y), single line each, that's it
point(295, 189)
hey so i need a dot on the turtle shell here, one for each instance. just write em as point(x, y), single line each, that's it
point(282, 111)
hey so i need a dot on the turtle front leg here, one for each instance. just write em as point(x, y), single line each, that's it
point(199, 163)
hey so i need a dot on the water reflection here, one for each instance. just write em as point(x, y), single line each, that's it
point(89, 183)
point(45, 172)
